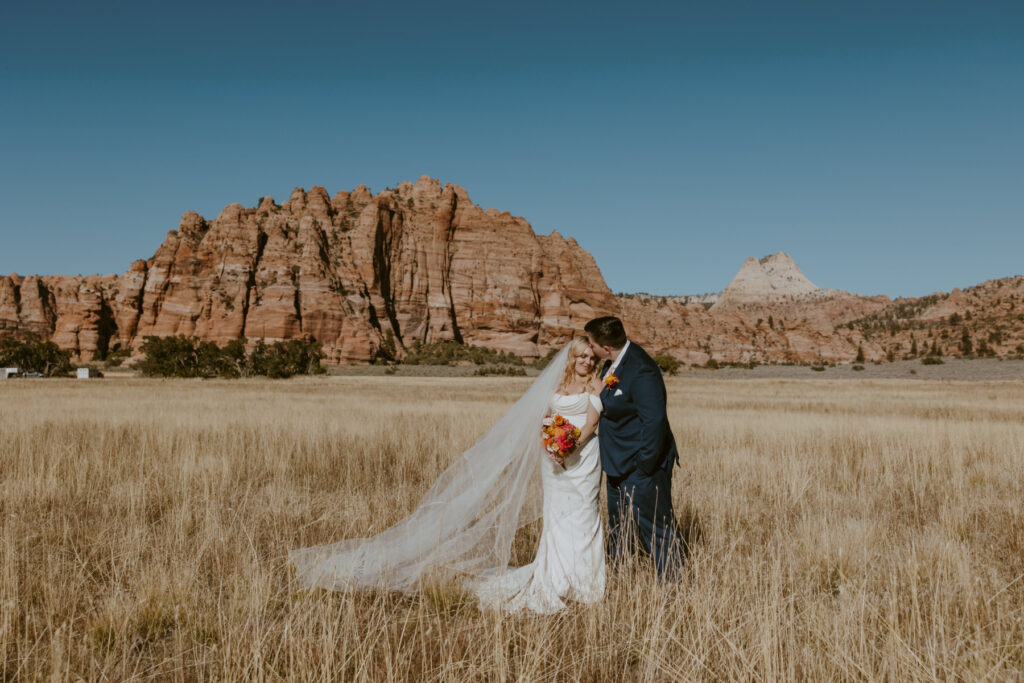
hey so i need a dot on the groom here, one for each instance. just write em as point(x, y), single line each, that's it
point(638, 450)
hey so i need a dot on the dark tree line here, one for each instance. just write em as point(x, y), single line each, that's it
point(31, 354)
point(183, 356)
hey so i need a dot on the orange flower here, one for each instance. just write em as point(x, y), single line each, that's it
point(559, 420)
point(610, 381)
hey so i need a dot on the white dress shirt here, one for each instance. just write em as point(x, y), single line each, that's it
point(618, 359)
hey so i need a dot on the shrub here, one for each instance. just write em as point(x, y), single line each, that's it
point(818, 368)
point(712, 364)
point(932, 360)
point(501, 370)
point(966, 345)
point(668, 364)
point(116, 357)
point(182, 356)
point(451, 352)
point(176, 356)
point(386, 352)
point(542, 363)
point(858, 368)
point(34, 355)
point(284, 359)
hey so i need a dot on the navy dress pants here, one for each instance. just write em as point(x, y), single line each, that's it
point(640, 509)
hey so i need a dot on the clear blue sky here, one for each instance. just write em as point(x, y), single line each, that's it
point(881, 144)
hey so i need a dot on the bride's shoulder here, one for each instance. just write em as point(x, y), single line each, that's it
point(595, 386)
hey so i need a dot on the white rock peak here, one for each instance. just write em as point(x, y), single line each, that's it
point(773, 277)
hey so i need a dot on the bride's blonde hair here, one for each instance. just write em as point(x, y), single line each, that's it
point(576, 347)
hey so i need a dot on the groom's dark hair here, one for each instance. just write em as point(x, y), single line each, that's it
point(606, 331)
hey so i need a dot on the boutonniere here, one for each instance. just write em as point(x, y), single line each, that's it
point(610, 381)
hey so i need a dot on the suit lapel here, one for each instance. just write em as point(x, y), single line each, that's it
point(624, 364)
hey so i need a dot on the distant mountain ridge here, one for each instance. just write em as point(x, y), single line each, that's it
point(770, 313)
point(368, 276)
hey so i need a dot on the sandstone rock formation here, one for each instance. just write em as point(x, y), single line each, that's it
point(772, 278)
point(358, 272)
point(369, 275)
point(984, 320)
point(771, 313)
point(786, 331)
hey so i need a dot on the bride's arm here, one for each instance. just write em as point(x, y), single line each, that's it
point(593, 417)
point(591, 426)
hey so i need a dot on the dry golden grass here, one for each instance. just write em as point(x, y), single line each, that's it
point(846, 530)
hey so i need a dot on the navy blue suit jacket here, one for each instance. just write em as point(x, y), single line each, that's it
point(634, 432)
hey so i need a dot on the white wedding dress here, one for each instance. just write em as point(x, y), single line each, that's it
point(570, 557)
point(466, 523)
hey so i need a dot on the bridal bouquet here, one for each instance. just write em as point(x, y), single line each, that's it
point(559, 437)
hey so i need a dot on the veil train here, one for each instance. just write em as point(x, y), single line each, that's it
point(466, 521)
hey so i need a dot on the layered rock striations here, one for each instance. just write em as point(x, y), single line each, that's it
point(358, 272)
point(369, 275)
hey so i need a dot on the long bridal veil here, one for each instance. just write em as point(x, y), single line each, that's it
point(466, 522)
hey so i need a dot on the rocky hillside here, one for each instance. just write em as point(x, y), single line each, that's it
point(366, 275)
point(370, 275)
point(986, 320)
point(788, 331)
point(771, 313)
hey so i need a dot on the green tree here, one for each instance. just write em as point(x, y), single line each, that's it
point(32, 354)
point(176, 356)
point(386, 352)
point(966, 345)
point(285, 359)
point(182, 356)
point(542, 362)
point(860, 353)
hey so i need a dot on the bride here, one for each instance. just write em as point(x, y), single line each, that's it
point(466, 522)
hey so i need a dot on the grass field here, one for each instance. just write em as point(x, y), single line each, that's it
point(842, 530)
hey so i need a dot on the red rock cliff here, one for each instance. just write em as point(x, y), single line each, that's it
point(419, 262)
